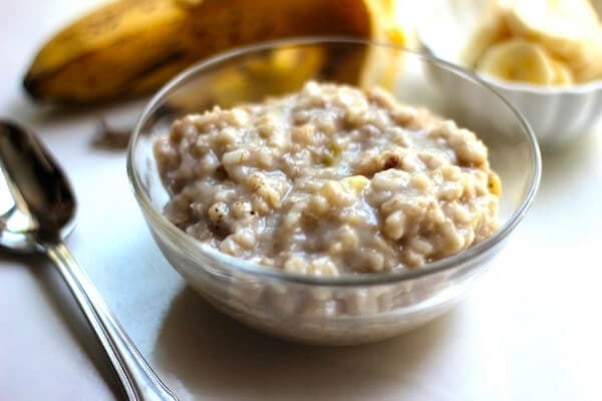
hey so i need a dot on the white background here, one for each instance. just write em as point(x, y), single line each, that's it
point(531, 329)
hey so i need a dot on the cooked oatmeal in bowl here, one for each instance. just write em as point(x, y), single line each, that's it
point(329, 180)
point(337, 209)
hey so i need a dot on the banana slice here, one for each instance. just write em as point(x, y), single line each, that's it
point(562, 74)
point(558, 25)
point(587, 65)
point(493, 29)
point(518, 60)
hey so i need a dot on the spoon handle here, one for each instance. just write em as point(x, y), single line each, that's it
point(139, 381)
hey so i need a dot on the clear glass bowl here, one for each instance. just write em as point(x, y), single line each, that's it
point(349, 309)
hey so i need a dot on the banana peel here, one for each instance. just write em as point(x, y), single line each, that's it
point(132, 47)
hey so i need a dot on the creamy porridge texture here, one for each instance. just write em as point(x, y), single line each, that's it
point(328, 181)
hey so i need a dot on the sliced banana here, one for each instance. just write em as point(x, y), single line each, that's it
point(493, 29)
point(518, 60)
point(562, 74)
point(587, 64)
point(559, 40)
point(558, 25)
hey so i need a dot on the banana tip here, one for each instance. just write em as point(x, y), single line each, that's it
point(32, 87)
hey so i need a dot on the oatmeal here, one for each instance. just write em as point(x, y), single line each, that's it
point(328, 181)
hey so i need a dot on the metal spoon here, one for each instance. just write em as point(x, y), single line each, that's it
point(40, 213)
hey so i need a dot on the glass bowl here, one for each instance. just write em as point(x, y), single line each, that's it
point(349, 309)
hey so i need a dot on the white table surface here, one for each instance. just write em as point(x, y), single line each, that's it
point(530, 330)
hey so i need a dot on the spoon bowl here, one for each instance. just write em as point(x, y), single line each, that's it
point(39, 211)
point(43, 202)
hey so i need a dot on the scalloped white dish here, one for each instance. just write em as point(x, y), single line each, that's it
point(556, 114)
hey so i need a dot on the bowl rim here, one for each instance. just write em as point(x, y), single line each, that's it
point(461, 259)
point(539, 90)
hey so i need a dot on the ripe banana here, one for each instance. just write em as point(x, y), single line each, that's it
point(518, 60)
point(132, 47)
